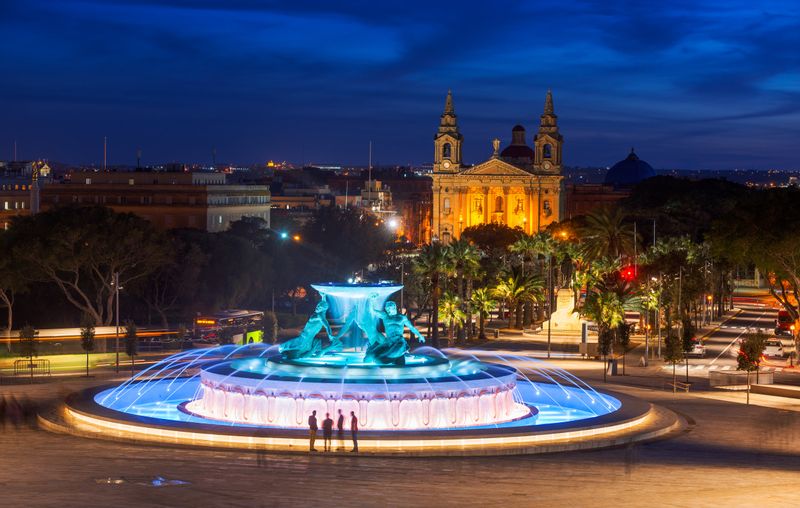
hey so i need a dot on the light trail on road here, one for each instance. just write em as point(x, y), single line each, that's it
point(736, 338)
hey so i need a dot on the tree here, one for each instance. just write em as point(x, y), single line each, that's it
point(761, 230)
point(687, 342)
point(28, 345)
point(270, 324)
point(131, 341)
point(451, 313)
point(464, 259)
point(750, 353)
point(605, 309)
point(349, 239)
point(673, 354)
point(483, 303)
point(432, 263)
point(12, 280)
point(177, 279)
point(515, 289)
point(623, 339)
point(87, 338)
point(79, 249)
point(605, 234)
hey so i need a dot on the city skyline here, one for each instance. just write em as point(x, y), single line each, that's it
point(689, 86)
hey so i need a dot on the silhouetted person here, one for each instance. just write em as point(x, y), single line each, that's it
point(312, 431)
point(340, 431)
point(327, 432)
point(354, 431)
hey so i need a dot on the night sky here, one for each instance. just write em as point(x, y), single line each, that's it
point(690, 84)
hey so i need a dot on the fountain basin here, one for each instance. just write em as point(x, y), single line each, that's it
point(426, 393)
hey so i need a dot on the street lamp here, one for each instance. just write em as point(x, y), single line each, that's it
point(115, 283)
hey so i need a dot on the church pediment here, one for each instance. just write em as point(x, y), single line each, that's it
point(495, 167)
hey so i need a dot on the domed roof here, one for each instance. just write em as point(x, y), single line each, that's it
point(517, 152)
point(629, 171)
point(518, 149)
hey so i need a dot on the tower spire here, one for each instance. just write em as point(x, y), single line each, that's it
point(548, 103)
point(448, 119)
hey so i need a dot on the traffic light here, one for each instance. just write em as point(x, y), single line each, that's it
point(628, 273)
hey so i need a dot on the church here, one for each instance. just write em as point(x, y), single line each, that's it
point(519, 186)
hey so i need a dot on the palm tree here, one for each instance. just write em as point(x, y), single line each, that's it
point(482, 302)
point(464, 260)
point(451, 313)
point(432, 263)
point(514, 289)
point(606, 235)
point(606, 306)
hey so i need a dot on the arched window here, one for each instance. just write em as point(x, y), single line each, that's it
point(446, 205)
point(547, 151)
point(446, 237)
point(498, 204)
point(446, 150)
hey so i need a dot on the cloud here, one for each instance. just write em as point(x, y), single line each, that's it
point(316, 79)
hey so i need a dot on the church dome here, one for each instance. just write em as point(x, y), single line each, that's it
point(518, 149)
point(629, 171)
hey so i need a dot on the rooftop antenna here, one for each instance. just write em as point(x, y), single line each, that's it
point(15, 150)
point(105, 152)
point(214, 157)
point(138, 158)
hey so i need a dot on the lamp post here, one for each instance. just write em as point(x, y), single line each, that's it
point(116, 335)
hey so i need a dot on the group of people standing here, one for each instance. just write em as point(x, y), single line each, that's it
point(327, 431)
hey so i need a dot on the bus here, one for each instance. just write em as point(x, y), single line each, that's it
point(238, 326)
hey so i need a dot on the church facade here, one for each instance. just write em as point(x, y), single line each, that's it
point(519, 186)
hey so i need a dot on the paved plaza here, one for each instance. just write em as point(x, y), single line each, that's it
point(732, 455)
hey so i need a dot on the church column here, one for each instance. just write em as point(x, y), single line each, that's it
point(506, 206)
point(486, 205)
point(539, 206)
point(460, 217)
point(529, 208)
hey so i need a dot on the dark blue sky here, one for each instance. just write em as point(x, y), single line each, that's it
point(690, 84)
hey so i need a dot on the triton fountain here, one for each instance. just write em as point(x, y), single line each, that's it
point(420, 401)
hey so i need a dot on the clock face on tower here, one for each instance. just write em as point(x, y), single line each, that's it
point(446, 164)
point(546, 165)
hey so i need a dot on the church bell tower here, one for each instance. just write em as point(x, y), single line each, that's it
point(447, 141)
point(547, 143)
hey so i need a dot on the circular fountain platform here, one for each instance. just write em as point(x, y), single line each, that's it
point(157, 408)
point(422, 394)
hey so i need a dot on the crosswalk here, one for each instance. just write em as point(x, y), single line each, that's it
point(710, 368)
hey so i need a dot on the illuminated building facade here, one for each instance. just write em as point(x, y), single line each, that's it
point(519, 186)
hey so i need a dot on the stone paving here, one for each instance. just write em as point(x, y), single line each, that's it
point(733, 455)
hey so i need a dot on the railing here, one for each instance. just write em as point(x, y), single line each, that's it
point(31, 367)
point(678, 385)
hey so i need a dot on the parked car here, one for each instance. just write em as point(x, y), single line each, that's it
point(698, 349)
point(774, 348)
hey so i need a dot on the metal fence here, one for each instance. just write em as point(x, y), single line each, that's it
point(31, 367)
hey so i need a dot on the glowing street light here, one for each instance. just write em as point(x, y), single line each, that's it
point(393, 223)
point(296, 238)
point(284, 235)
